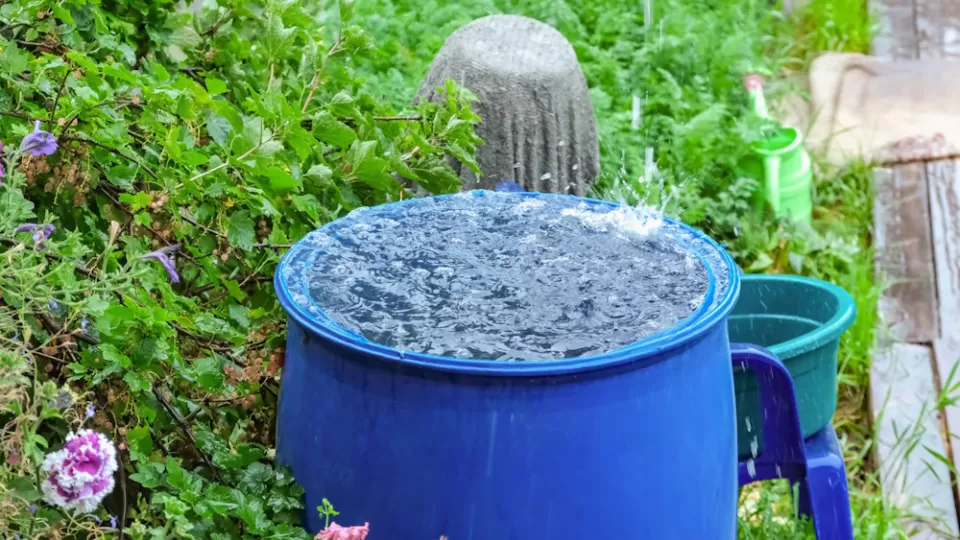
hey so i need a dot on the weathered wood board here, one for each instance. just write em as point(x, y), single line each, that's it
point(916, 220)
point(897, 36)
point(938, 28)
point(904, 253)
point(902, 394)
point(943, 179)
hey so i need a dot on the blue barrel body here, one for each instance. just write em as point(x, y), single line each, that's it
point(637, 443)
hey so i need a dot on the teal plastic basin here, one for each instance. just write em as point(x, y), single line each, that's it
point(800, 320)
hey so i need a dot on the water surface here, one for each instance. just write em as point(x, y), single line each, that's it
point(504, 276)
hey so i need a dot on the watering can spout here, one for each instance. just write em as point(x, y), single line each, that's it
point(754, 86)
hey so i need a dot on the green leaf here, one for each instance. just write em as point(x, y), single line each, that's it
point(219, 129)
point(239, 315)
point(276, 37)
point(332, 131)
point(343, 105)
point(84, 62)
point(438, 179)
point(281, 180)
point(762, 263)
point(148, 475)
point(61, 13)
point(288, 532)
point(24, 487)
point(13, 60)
point(208, 373)
point(301, 141)
point(256, 478)
point(138, 383)
point(233, 288)
point(137, 201)
point(209, 323)
point(120, 73)
point(239, 457)
point(217, 500)
point(185, 36)
point(320, 173)
point(369, 168)
point(252, 513)
point(122, 176)
point(143, 218)
point(228, 111)
point(347, 11)
point(307, 204)
point(188, 484)
point(140, 443)
point(159, 71)
point(113, 356)
point(241, 233)
point(215, 86)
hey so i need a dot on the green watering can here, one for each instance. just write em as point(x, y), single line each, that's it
point(782, 167)
point(787, 175)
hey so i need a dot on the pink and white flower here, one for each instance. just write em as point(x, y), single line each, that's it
point(81, 473)
point(336, 532)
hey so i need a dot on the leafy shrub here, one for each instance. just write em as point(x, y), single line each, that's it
point(194, 146)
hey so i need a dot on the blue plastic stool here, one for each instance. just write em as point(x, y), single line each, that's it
point(815, 464)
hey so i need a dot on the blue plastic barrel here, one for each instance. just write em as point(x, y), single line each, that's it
point(637, 443)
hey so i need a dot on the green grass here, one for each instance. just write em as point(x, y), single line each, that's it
point(829, 25)
point(688, 71)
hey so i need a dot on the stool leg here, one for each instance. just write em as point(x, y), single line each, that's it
point(824, 494)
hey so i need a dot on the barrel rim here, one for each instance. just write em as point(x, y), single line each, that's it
point(645, 350)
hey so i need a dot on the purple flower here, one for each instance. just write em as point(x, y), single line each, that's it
point(113, 522)
point(81, 473)
point(53, 305)
point(39, 142)
point(84, 322)
point(164, 256)
point(41, 233)
point(91, 410)
point(32, 509)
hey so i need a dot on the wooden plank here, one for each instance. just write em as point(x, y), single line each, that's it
point(902, 394)
point(897, 36)
point(938, 28)
point(943, 179)
point(905, 254)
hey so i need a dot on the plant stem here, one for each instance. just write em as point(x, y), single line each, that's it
point(114, 151)
point(227, 162)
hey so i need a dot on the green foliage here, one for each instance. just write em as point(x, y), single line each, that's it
point(828, 25)
point(231, 130)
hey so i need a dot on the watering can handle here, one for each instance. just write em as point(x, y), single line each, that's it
point(771, 175)
point(782, 436)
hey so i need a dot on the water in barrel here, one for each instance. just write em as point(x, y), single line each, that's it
point(504, 276)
